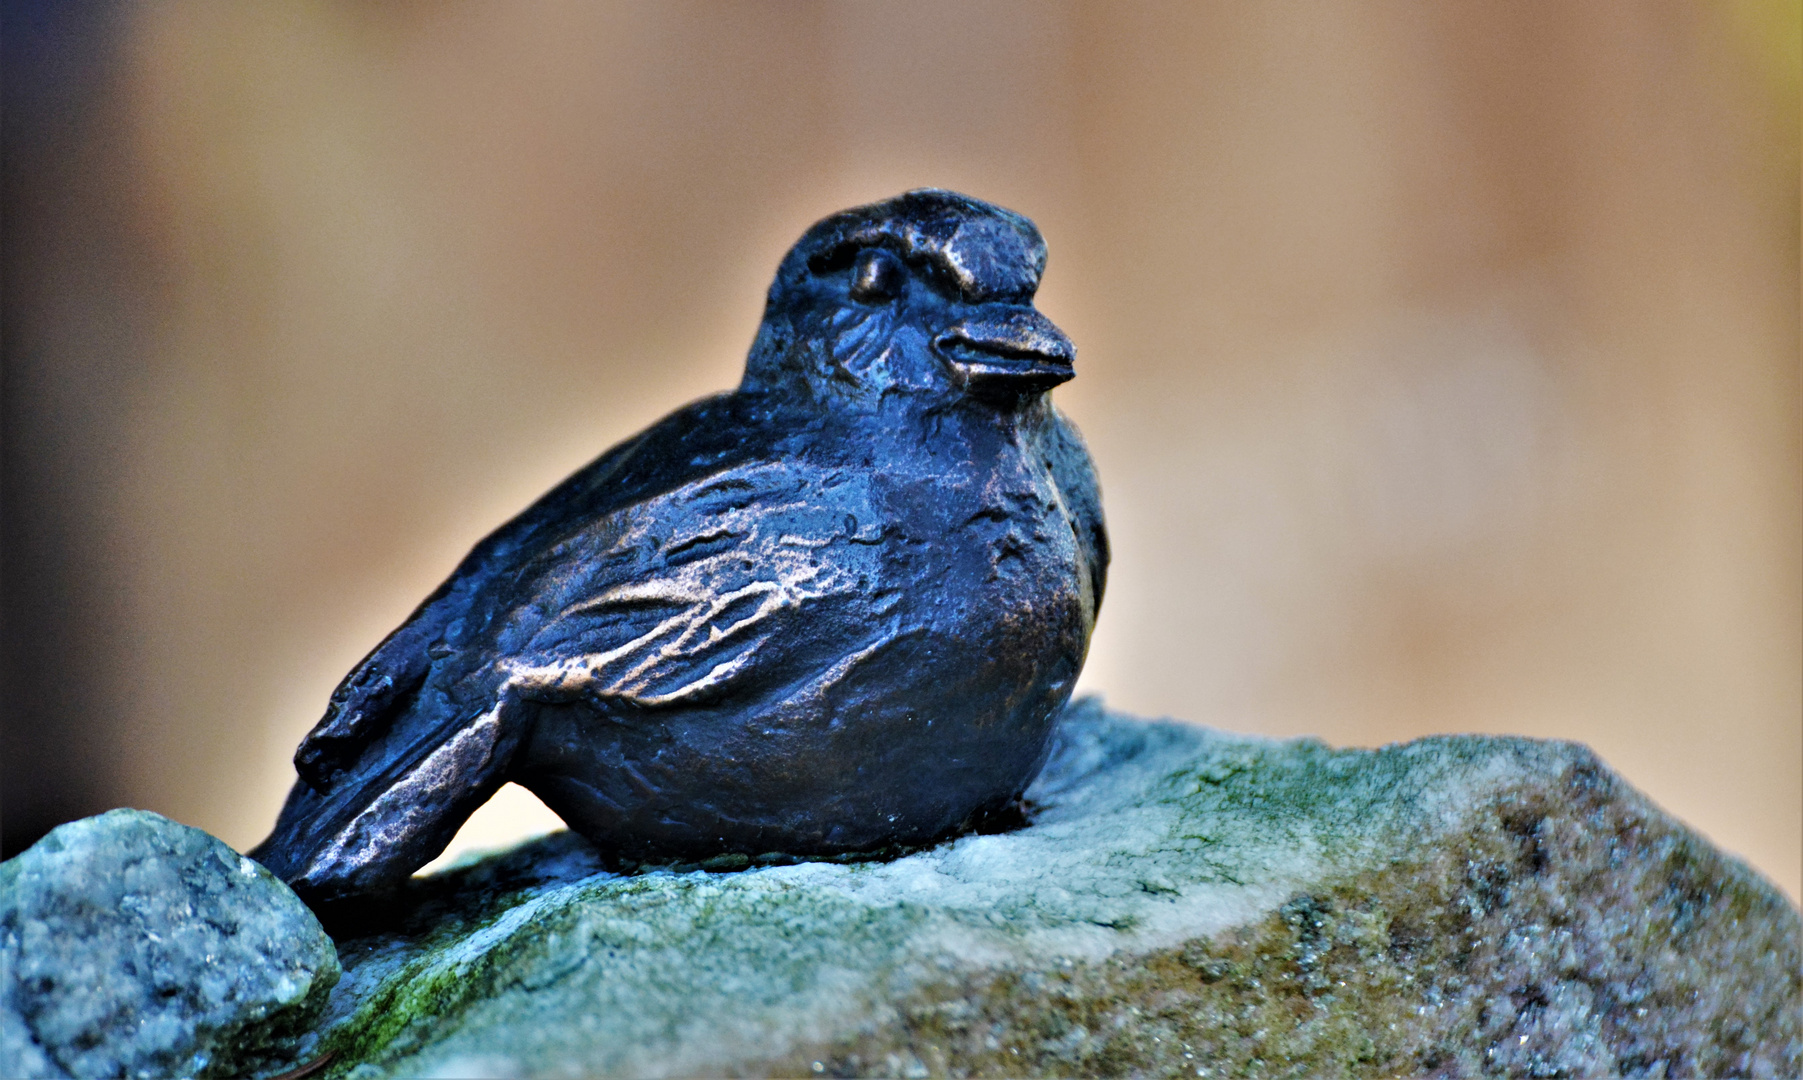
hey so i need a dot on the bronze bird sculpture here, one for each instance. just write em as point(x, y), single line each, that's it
point(833, 611)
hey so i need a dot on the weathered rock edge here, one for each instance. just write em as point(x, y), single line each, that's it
point(1186, 902)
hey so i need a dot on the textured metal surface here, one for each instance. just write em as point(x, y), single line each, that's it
point(833, 611)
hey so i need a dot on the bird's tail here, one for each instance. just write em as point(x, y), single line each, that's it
point(395, 808)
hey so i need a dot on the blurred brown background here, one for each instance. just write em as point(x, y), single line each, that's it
point(1440, 360)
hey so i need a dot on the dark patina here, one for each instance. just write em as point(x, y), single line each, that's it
point(834, 611)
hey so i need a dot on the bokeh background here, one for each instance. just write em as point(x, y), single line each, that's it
point(1440, 360)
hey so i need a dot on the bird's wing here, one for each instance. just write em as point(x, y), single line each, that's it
point(720, 585)
point(701, 591)
point(384, 683)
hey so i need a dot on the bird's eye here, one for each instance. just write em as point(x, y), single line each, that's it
point(878, 276)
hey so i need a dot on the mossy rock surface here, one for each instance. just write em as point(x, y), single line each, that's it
point(1184, 903)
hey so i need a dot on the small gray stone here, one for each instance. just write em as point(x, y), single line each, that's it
point(133, 946)
point(1186, 902)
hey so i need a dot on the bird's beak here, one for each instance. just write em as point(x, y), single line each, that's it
point(1007, 351)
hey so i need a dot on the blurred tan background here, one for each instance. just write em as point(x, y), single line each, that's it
point(1440, 360)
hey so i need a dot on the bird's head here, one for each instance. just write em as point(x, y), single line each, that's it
point(928, 294)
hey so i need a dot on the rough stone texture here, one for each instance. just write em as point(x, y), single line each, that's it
point(131, 946)
point(1184, 903)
